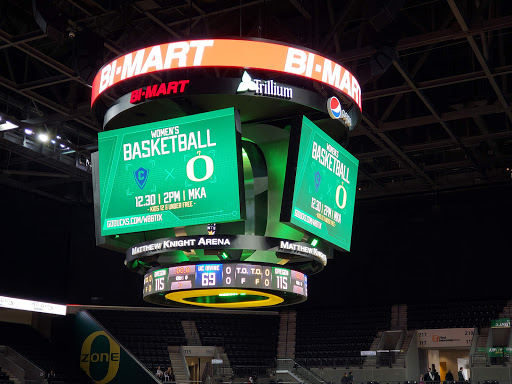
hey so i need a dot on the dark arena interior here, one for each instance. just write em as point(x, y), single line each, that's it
point(412, 279)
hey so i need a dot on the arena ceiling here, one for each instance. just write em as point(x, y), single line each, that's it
point(435, 76)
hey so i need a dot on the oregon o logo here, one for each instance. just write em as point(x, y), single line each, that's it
point(112, 357)
point(209, 167)
point(344, 200)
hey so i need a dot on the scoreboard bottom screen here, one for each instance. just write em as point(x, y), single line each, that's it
point(225, 285)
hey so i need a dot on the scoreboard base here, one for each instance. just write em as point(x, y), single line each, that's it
point(225, 298)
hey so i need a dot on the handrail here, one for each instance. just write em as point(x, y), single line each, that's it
point(310, 373)
point(296, 367)
point(248, 370)
point(10, 366)
point(184, 361)
point(401, 340)
point(347, 361)
point(474, 341)
point(489, 381)
point(485, 358)
point(32, 371)
point(206, 372)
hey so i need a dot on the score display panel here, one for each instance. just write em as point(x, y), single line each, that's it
point(320, 185)
point(226, 284)
point(171, 173)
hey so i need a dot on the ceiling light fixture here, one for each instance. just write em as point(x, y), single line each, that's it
point(7, 125)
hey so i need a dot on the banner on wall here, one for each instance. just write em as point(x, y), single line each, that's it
point(500, 323)
point(496, 351)
point(102, 358)
point(445, 338)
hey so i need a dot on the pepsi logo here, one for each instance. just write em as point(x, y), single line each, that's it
point(336, 112)
point(334, 107)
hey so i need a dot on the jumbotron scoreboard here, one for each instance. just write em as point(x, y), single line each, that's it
point(220, 170)
point(170, 173)
point(320, 187)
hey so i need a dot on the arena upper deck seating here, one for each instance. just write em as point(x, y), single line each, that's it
point(336, 336)
point(249, 340)
point(454, 315)
point(34, 347)
point(145, 334)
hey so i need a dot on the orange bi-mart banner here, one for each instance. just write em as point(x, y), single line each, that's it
point(227, 53)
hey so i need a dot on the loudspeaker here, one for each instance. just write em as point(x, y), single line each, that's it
point(49, 19)
point(385, 15)
point(377, 64)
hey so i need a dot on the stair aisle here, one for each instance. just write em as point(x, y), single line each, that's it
point(400, 359)
point(287, 333)
point(507, 311)
point(191, 333)
point(224, 370)
point(371, 361)
point(179, 368)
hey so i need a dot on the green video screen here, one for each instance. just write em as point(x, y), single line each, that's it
point(320, 185)
point(171, 173)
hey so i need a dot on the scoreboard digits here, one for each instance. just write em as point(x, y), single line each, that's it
point(299, 283)
point(208, 275)
point(159, 279)
point(282, 278)
point(218, 275)
point(180, 277)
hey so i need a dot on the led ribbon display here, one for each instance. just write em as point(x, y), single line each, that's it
point(227, 53)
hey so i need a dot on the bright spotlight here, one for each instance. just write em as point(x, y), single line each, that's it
point(43, 137)
point(7, 125)
point(28, 131)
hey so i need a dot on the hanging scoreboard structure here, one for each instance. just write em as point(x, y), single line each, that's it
point(218, 188)
point(171, 173)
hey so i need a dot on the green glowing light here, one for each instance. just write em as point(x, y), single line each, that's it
point(224, 255)
point(229, 294)
point(314, 242)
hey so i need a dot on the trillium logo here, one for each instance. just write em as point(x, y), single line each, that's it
point(246, 84)
point(263, 87)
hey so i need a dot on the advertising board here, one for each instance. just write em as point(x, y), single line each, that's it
point(447, 337)
point(259, 54)
point(32, 306)
point(500, 323)
point(320, 185)
point(171, 173)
